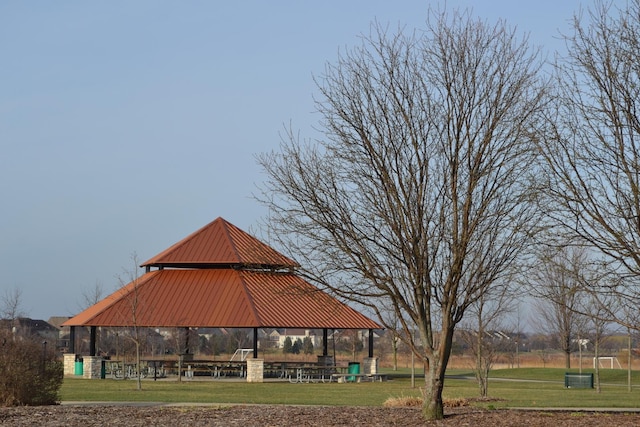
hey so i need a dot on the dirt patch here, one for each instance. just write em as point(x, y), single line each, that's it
point(299, 416)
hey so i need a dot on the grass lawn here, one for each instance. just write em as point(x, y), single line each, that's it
point(213, 391)
point(526, 387)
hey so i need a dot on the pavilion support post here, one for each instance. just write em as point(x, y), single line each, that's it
point(70, 358)
point(186, 351)
point(255, 343)
point(325, 342)
point(92, 341)
point(72, 339)
point(370, 364)
point(325, 359)
point(255, 366)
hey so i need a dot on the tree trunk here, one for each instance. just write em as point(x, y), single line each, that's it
point(481, 374)
point(629, 360)
point(138, 366)
point(567, 351)
point(433, 407)
point(596, 354)
point(395, 353)
point(435, 367)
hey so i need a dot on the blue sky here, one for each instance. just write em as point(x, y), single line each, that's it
point(127, 125)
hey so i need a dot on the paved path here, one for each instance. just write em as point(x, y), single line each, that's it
point(200, 404)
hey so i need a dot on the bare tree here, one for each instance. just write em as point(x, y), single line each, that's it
point(487, 340)
point(592, 149)
point(92, 295)
point(598, 324)
point(12, 304)
point(130, 289)
point(631, 317)
point(418, 194)
point(394, 331)
point(516, 329)
point(558, 286)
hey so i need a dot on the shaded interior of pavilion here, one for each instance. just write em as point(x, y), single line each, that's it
point(218, 277)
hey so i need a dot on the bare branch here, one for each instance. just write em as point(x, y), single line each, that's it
point(12, 304)
point(419, 196)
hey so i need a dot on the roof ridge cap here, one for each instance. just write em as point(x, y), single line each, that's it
point(226, 225)
point(252, 303)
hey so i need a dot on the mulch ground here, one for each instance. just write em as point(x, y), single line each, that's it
point(298, 416)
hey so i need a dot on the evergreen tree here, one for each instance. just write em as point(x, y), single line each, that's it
point(287, 347)
point(297, 346)
point(307, 345)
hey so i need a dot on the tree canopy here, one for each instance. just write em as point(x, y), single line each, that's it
point(418, 195)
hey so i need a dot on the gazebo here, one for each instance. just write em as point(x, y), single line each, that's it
point(218, 277)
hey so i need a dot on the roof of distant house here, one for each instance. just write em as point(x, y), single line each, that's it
point(32, 325)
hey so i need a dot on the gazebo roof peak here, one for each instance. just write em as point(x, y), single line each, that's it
point(220, 244)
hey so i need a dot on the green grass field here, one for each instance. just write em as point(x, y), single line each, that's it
point(530, 387)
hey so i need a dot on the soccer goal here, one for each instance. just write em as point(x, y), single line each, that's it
point(602, 362)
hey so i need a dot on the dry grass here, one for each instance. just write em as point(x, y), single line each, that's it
point(416, 402)
point(455, 403)
point(403, 402)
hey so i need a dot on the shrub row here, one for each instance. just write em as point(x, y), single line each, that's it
point(29, 375)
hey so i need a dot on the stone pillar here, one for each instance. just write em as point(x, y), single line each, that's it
point(92, 367)
point(255, 370)
point(69, 364)
point(325, 360)
point(369, 366)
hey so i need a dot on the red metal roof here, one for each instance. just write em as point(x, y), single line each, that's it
point(221, 288)
point(221, 298)
point(220, 243)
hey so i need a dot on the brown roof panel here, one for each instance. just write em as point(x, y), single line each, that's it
point(220, 243)
point(221, 298)
point(286, 300)
point(173, 298)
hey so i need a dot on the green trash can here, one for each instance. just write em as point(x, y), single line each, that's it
point(79, 368)
point(354, 368)
point(103, 370)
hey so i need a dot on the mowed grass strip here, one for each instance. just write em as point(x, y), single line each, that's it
point(333, 394)
point(508, 388)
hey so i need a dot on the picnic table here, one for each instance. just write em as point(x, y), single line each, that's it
point(350, 377)
point(307, 374)
point(215, 370)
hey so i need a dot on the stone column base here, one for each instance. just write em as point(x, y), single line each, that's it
point(255, 370)
point(325, 360)
point(69, 364)
point(92, 367)
point(369, 366)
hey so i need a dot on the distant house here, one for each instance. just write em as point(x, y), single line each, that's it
point(26, 327)
point(295, 334)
